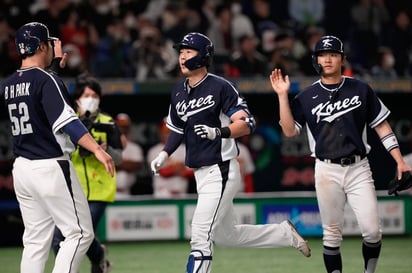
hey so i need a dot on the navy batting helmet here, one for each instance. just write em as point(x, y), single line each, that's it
point(329, 43)
point(29, 37)
point(326, 43)
point(202, 44)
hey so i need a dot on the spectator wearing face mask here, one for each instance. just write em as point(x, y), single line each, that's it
point(385, 66)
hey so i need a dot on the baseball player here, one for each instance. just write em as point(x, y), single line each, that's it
point(336, 111)
point(208, 113)
point(45, 129)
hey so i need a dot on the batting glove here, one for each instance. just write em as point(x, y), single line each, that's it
point(158, 162)
point(205, 131)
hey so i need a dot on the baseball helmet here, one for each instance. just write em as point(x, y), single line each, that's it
point(29, 36)
point(202, 44)
point(326, 43)
point(329, 43)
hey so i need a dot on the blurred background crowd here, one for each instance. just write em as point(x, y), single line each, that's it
point(133, 38)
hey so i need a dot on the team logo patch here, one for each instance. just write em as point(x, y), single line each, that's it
point(23, 48)
point(327, 43)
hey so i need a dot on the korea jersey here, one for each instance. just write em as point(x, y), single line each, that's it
point(38, 107)
point(337, 117)
point(211, 102)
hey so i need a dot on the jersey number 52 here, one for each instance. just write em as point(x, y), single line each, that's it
point(19, 117)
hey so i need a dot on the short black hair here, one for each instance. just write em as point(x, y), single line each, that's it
point(86, 80)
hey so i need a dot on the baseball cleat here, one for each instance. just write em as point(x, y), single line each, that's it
point(298, 241)
point(104, 266)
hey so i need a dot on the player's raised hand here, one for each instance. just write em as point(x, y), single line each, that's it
point(279, 83)
point(58, 53)
point(158, 162)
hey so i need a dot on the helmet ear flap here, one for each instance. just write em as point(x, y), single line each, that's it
point(209, 51)
point(315, 64)
point(208, 55)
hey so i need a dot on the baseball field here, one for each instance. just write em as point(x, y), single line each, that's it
point(170, 257)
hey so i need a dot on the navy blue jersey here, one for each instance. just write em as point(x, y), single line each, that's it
point(211, 102)
point(337, 117)
point(38, 107)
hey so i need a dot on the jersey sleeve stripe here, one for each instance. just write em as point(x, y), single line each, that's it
point(383, 114)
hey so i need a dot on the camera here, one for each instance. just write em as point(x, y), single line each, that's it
point(106, 127)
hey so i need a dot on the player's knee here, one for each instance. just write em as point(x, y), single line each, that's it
point(87, 237)
point(198, 263)
point(331, 242)
point(373, 236)
point(332, 237)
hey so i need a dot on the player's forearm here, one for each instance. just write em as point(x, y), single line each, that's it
point(288, 128)
point(88, 142)
point(287, 122)
point(243, 124)
point(59, 61)
point(238, 128)
point(383, 129)
point(390, 142)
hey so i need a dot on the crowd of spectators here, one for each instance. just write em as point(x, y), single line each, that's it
point(133, 39)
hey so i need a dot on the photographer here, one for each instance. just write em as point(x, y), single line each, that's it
point(98, 186)
point(154, 57)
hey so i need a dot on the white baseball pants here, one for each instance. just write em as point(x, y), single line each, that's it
point(49, 193)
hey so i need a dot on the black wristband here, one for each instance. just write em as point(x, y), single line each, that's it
point(54, 67)
point(224, 132)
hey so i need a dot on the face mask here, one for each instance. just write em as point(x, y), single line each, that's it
point(89, 104)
